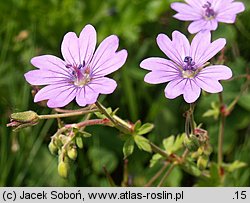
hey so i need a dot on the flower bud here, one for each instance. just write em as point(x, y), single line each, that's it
point(63, 169)
point(72, 153)
point(63, 138)
point(23, 119)
point(79, 142)
point(207, 149)
point(53, 148)
point(191, 143)
point(202, 162)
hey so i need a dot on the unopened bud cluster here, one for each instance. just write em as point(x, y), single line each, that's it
point(65, 146)
point(200, 146)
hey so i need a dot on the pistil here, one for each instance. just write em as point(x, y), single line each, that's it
point(81, 74)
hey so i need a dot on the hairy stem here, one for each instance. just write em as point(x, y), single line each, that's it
point(119, 123)
point(88, 123)
point(63, 115)
point(59, 110)
point(158, 150)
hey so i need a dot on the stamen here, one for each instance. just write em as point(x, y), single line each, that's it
point(83, 63)
point(81, 74)
point(189, 63)
point(209, 12)
point(68, 66)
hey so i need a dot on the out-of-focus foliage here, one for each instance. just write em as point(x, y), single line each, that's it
point(29, 28)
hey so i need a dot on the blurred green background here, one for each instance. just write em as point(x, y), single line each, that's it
point(30, 28)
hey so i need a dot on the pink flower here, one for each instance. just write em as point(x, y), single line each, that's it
point(81, 74)
point(206, 14)
point(187, 71)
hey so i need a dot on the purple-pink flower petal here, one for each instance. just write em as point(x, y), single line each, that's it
point(219, 72)
point(191, 91)
point(86, 95)
point(201, 24)
point(228, 14)
point(49, 62)
point(158, 64)
point(175, 88)
point(181, 43)
point(166, 45)
point(62, 98)
point(50, 91)
point(201, 48)
point(199, 45)
point(70, 48)
point(104, 52)
point(103, 85)
point(115, 62)
point(41, 77)
point(163, 70)
point(208, 84)
point(87, 43)
point(157, 77)
point(186, 12)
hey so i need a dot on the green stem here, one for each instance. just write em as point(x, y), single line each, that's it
point(63, 115)
point(192, 123)
point(120, 124)
point(157, 175)
point(109, 178)
point(158, 150)
point(125, 174)
point(59, 110)
point(166, 175)
point(221, 132)
point(182, 160)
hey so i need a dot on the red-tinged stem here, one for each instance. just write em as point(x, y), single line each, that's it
point(88, 123)
point(221, 132)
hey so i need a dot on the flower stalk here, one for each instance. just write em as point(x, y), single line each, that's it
point(68, 114)
point(221, 132)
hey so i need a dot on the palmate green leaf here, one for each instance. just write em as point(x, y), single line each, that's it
point(145, 128)
point(172, 144)
point(137, 125)
point(213, 112)
point(168, 144)
point(128, 147)
point(142, 143)
point(155, 159)
point(234, 166)
point(102, 116)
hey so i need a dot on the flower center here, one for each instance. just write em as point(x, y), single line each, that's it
point(209, 12)
point(189, 69)
point(80, 73)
